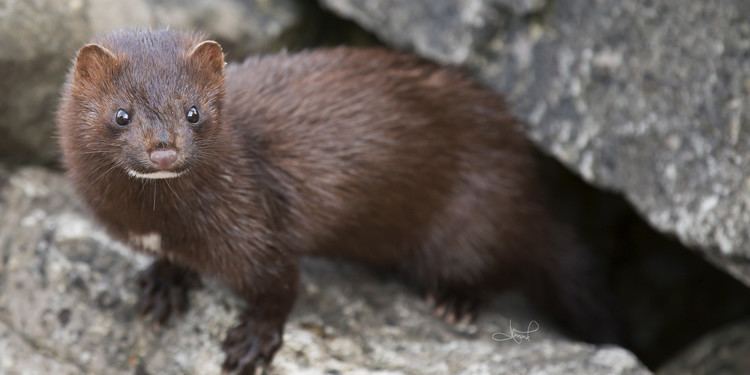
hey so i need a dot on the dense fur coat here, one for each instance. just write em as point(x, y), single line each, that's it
point(364, 154)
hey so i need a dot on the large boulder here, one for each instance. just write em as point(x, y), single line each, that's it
point(39, 38)
point(649, 98)
point(67, 293)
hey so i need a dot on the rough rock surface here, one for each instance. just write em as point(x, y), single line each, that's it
point(67, 295)
point(38, 38)
point(650, 98)
point(724, 352)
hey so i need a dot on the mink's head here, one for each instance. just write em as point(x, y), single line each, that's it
point(145, 103)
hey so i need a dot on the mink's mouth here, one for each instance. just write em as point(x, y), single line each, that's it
point(158, 175)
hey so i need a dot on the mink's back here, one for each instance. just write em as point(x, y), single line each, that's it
point(381, 155)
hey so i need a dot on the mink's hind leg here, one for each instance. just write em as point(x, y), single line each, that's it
point(449, 286)
point(163, 290)
point(451, 274)
point(452, 305)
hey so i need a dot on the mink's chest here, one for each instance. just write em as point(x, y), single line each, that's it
point(159, 233)
point(173, 221)
point(176, 245)
point(150, 242)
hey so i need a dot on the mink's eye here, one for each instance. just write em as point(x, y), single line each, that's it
point(122, 117)
point(192, 115)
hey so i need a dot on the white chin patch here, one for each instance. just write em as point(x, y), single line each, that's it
point(155, 175)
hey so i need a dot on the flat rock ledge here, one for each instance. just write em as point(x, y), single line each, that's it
point(67, 293)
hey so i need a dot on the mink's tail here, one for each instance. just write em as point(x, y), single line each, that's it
point(572, 287)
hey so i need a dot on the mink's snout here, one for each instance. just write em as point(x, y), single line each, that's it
point(163, 159)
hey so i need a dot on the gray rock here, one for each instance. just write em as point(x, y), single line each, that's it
point(67, 291)
point(437, 29)
point(38, 39)
point(649, 98)
point(724, 352)
point(523, 7)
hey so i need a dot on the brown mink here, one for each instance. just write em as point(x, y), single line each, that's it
point(365, 154)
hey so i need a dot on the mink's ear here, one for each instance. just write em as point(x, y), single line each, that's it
point(94, 63)
point(209, 57)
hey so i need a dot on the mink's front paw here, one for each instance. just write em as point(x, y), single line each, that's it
point(251, 345)
point(163, 290)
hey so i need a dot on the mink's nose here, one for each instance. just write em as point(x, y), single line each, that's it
point(163, 159)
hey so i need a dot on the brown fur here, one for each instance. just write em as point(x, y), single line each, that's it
point(364, 154)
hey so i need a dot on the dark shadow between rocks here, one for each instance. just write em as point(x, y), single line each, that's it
point(669, 295)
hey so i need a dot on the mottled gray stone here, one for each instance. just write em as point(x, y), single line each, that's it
point(649, 98)
point(67, 293)
point(440, 29)
point(18, 356)
point(523, 7)
point(724, 352)
point(38, 38)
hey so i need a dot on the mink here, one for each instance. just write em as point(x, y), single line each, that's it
point(236, 171)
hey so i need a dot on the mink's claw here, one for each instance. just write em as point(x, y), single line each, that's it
point(250, 346)
point(453, 308)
